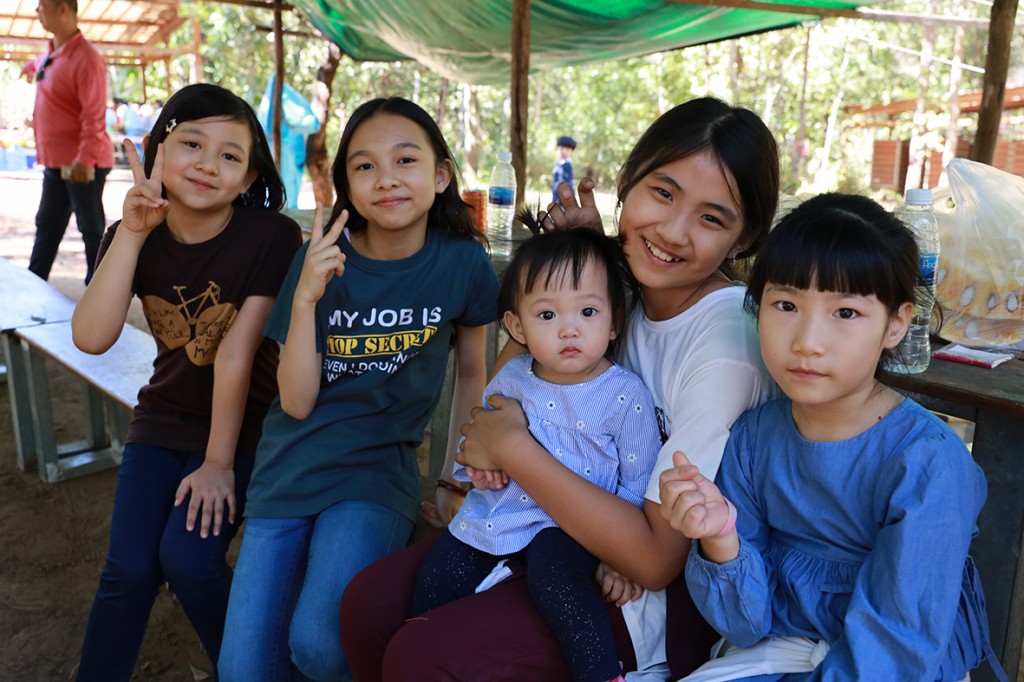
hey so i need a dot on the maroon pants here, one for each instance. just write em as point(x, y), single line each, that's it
point(495, 636)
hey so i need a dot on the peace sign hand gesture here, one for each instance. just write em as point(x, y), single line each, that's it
point(144, 205)
point(323, 259)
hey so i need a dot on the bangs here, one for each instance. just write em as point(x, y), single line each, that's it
point(563, 266)
point(829, 258)
point(836, 250)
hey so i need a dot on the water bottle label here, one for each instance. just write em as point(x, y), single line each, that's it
point(929, 263)
point(501, 196)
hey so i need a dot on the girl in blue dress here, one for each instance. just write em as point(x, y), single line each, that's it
point(833, 544)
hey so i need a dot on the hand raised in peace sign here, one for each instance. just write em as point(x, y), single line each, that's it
point(323, 259)
point(144, 205)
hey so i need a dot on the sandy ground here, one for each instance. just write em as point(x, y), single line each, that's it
point(53, 538)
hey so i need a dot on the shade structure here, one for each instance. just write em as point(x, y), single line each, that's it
point(470, 40)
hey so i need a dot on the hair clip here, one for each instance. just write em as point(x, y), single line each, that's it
point(170, 126)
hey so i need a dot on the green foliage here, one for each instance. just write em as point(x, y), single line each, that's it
point(607, 105)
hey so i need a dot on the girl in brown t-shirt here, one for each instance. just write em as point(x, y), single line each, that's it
point(201, 242)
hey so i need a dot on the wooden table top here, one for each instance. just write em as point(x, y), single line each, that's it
point(1000, 389)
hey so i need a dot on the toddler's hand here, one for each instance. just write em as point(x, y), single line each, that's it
point(616, 587)
point(323, 259)
point(692, 503)
point(487, 480)
point(144, 205)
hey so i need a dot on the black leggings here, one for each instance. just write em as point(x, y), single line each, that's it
point(560, 579)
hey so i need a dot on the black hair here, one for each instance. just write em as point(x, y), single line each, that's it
point(843, 243)
point(203, 100)
point(556, 256)
point(449, 211)
point(737, 138)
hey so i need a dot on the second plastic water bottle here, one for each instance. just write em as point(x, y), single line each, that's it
point(501, 205)
point(917, 214)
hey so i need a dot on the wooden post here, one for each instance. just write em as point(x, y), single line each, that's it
point(142, 81)
point(278, 82)
point(520, 92)
point(167, 77)
point(997, 63)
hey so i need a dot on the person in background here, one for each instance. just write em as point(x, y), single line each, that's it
point(72, 144)
point(562, 171)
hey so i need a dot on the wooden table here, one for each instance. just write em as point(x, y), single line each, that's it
point(994, 400)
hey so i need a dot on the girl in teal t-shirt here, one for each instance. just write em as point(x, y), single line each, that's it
point(366, 317)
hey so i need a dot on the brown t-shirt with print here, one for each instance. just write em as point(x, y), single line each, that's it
point(190, 294)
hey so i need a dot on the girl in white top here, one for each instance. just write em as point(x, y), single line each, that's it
point(699, 189)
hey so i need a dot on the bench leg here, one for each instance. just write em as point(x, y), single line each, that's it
point(21, 406)
point(61, 462)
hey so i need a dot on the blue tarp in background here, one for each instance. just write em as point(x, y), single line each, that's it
point(297, 122)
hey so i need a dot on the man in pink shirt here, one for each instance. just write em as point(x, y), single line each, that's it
point(71, 137)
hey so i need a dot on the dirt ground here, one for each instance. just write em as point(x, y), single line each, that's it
point(53, 537)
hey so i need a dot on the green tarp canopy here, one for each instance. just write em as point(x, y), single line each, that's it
point(470, 40)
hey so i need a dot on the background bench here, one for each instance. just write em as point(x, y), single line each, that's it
point(110, 384)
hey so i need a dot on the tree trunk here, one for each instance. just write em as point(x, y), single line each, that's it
point(520, 93)
point(442, 103)
point(955, 74)
point(918, 168)
point(997, 63)
point(317, 160)
point(471, 134)
point(796, 160)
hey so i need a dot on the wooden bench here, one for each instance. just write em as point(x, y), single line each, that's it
point(994, 400)
point(28, 301)
point(110, 382)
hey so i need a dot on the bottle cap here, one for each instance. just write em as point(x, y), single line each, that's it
point(919, 197)
point(504, 157)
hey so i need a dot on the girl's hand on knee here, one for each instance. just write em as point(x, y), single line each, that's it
point(323, 259)
point(213, 489)
point(144, 205)
point(692, 503)
point(616, 587)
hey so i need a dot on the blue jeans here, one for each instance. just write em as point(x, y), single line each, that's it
point(283, 615)
point(59, 199)
point(148, 546)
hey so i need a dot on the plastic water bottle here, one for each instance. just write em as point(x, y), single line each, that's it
point(501, 205)
point(916, 212)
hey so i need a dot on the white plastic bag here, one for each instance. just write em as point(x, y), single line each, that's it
point(981, 261)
